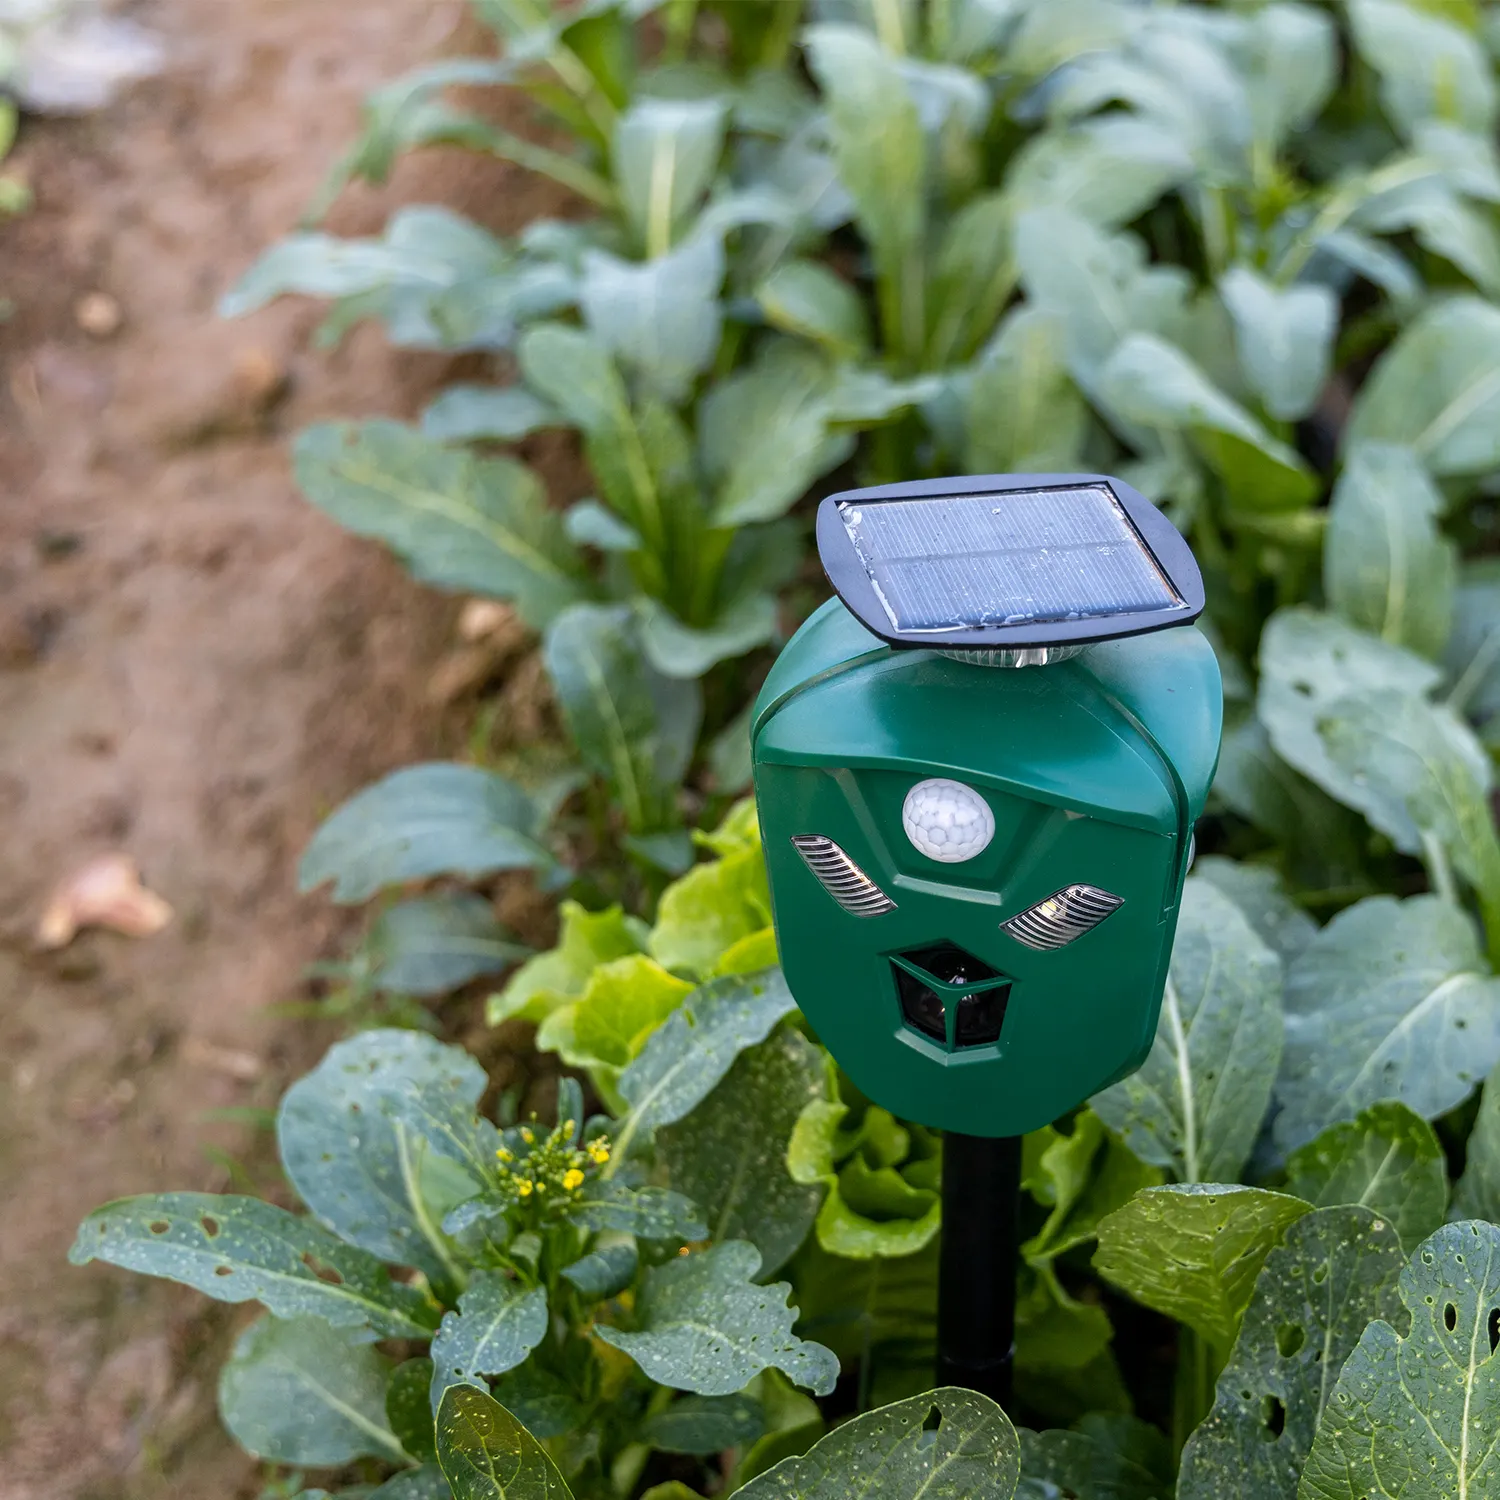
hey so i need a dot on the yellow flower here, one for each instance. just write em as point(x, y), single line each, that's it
point(599, 1152)
point(504, 1155)
point(572, 1178)
point(569, 1126)
point(541, 1187)
point(523, 1187)
point(526, 1135)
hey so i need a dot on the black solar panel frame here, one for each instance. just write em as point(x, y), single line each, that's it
point(852, 582)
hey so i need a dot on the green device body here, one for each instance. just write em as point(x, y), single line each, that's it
point(1093, 771)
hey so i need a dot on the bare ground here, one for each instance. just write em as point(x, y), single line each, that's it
point(194, 667)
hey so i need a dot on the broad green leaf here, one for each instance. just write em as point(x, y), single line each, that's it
point(1149, 382)
point(1390, 1001)
point(711, 908)
point(777, 403)
point(434, 819)
point(1079, 1178)
point(297, 1391)
point(705, 1424)
point(1428, 67)
point(749, 954)
point(1098, 285)
point(1105, 1458)
point(486, 413)
point(487, 1455)
point(974, 273)
point(498, 1323)
point(478, 525)
point(408, 1409)
point(1386, 1159)
point(879, 144)
point(1194, 1251)
point(1336, 1271)
point(608, 1269)
point(1023, 412)
point(948, 1442)
point(1197, 1104)
point(738, 830)
point(666, 153)
point(1477, 1195)
point(1415, 1416)
point(1437, 390)
point(684, 1060)
point(660, 319)
point(1289, 60)
point(238, 1249)
point(679, 650)
point(704, 1325)
point(1386, 566)
point(575, 373)
point(633, 725)
point(324, 265)
point(809, 300)
point(649, 1213)
point(1108, 170)
point(434, 944)
point(1285, 339)
point(1262, 899)
point(1472, 659)
point(551, 979)
point(361, 1132)
point(737, 1175)
point(1314, 666)
point(1052, 34)
point(622, 1005)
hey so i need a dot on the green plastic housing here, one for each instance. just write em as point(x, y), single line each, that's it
point(1095, 770)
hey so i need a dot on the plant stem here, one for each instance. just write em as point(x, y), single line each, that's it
point(1198, 1364)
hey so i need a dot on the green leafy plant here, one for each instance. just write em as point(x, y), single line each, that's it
point(1245, 255)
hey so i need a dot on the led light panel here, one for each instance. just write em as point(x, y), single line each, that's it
point(1017, 558)
point(1008, 561)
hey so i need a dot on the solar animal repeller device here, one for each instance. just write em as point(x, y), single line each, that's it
point(977, 772)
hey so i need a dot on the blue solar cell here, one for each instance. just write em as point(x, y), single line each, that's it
point(1012, 558)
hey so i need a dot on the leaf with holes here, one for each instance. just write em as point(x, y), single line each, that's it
point(498, 1323)
point(1414, 1415)
point(947, 1443)
point(296, 1391)
point(737, 1176)
point(633, 725)
point(1194, 1251)
point(1437, 390)
point(1387, 1159)
point(704, 1325)
point(487, 1455)
point(435, 819)
point(1386, 567)
point(1390, 1001)
point(684, 1060)
point(242, 1250)
point(478, 525)
point(1477, 1195)
point(432, 945)
point(365, 1135)
point(1336, 1271)
point(1197, 1104)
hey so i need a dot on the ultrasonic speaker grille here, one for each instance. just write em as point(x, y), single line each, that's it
point(841, 877)
point(1057, 921)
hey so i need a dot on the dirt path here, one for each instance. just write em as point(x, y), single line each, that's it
point(194, 666)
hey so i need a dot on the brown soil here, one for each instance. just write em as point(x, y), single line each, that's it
point(194, 667)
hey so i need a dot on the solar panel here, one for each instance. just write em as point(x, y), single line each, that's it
point(1008, 558)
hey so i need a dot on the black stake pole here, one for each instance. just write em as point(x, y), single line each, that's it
point(977, 1271)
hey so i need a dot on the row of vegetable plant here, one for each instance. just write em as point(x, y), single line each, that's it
point(1245, 255)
